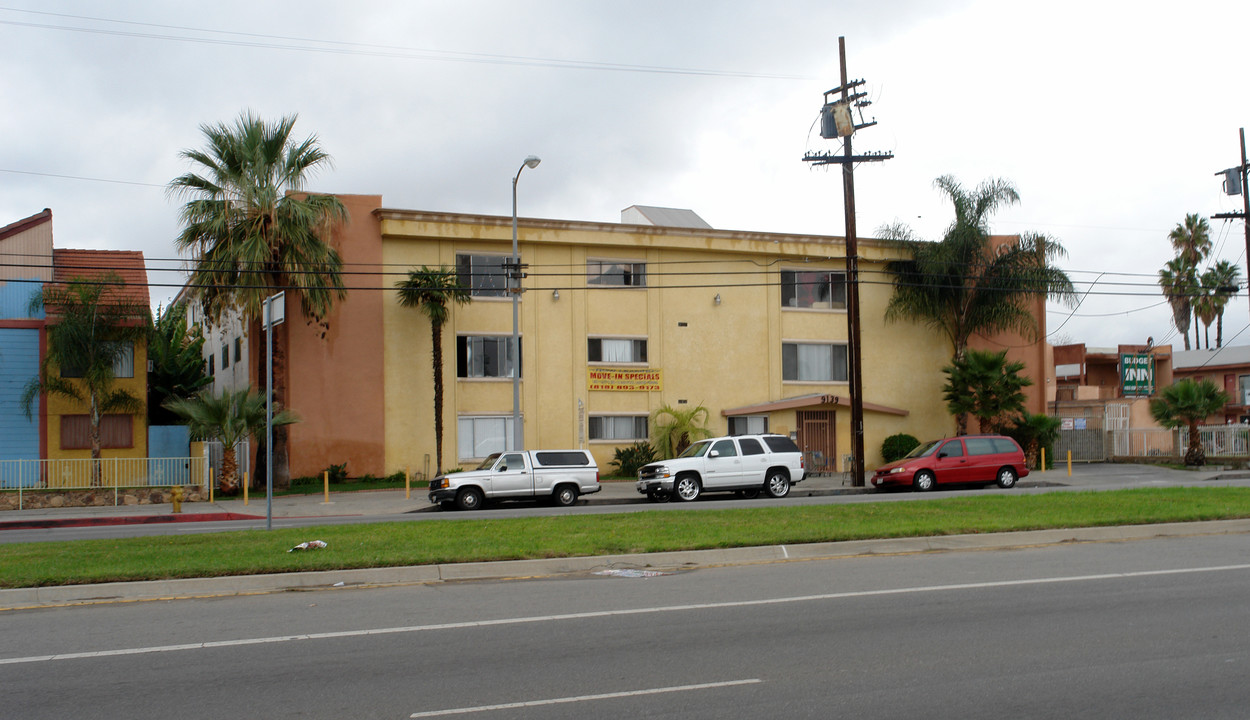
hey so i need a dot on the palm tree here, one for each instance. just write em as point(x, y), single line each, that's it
point(1224, 280)
point(252, 230)
point(432, 290)
point(92, 329)
point(1186, 404)
point(1178, 280)
point(985, 384)
point(962, 285)
point(1034, 432)
point(674, 430)
point(1192, 241)
point(228, 418)
point(1204, 311)
point(175, 353)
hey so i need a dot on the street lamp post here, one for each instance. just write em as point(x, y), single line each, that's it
point(514, 286)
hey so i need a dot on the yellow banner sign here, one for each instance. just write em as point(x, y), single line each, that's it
point(625, 380)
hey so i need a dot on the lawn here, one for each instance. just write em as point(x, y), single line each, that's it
point(451, 541)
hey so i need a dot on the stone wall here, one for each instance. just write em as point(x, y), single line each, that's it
point(37, 499)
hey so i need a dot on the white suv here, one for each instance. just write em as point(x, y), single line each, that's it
point(746, 464)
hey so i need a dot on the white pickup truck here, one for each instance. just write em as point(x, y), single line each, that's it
point(561, 475)
point(746, 464)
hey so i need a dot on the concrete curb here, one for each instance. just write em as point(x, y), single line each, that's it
point(27, 598)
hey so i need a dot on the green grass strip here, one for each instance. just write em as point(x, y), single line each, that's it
point(392, 544)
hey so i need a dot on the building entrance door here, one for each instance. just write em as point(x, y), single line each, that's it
point(817, 439)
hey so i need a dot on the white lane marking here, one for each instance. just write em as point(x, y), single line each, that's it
point(611, 613)
point(582, 698)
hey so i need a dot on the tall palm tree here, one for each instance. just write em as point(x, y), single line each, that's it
point(228, 418)
point(252, 229)
point(1178, 281)
point(1186, 404)
point(432, 290)
point(91, 330)
point(674, 430)
point(1192, 241)
point(962, 285)
point(1224, 279)
point(1204, 311)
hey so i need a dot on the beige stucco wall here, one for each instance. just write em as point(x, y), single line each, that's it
point(721, 356)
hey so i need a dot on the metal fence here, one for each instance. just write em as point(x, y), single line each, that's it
point(242, 456)
point(103, 473)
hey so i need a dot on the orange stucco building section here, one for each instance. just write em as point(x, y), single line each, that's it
point(336, 381)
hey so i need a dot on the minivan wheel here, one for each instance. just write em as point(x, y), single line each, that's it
point(1006, 478)
point(777, 485)
point(686, 488)
point(565, 496)
point(924, 480)
point(469, 499)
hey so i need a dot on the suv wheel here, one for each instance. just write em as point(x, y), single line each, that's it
point(777, 485)
point(686, 488)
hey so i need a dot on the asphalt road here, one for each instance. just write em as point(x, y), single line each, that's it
point(1146, 629)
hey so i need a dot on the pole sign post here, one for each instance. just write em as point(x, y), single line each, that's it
point(1137, 374)
point(274, 314)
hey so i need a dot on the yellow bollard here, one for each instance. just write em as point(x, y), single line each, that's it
point(211, 489)
point(1043, 467)
point(1069, 463)
point(326, 483)
point(407, 485)
point(245, 484)
point(175, 498)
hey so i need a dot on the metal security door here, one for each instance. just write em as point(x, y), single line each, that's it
point(817, 440)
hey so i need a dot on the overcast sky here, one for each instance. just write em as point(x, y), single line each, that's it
point(1111, 118)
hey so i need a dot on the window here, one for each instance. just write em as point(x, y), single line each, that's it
point(484, 275)
point(954, 448)
point(813, 363)
point(725, 448)
point(748, 425)
point(212, 365)
point(813, 289)
point(1243, 391)
point(123, 364)
point(484, 357)
point(225, 356)
point(751, 446)
point(627, 427)
point(610, 350)
point(550, 458)
point(981, 446)
point(616, 273)
point(238, 349)
point(478, 437)
point(116, 431)
point(780, 444)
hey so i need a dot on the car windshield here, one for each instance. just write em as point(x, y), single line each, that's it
point(489, 462)
point(923, 449)
point(699, 449)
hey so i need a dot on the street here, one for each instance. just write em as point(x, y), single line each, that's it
point(1146, 629)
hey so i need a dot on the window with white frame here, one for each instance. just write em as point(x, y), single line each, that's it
point(813, 362)
point(817, 289)
point(617, 427)
point(616, 350)
point(478, 437)
point(484, 275)
point(484, 357)
point(123, 363)
point(616, 273)
point(748, 425)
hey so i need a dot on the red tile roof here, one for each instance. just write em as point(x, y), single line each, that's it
point(69, 264)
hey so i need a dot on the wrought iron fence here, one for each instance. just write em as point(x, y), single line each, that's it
point(115, 474)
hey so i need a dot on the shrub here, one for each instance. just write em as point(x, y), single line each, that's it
point(628, 459)
point(338, 473)
point(897, 446)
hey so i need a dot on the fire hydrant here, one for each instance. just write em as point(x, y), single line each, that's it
point(175, 497)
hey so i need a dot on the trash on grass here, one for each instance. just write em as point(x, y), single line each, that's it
point(310, 545)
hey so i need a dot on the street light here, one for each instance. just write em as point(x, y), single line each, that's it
point(514, 285)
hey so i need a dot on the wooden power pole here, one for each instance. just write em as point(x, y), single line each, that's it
point(837, 120)
point(1241, 177)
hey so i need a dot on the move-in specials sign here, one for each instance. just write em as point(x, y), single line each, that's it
point(624, 380)
point(1137, 374)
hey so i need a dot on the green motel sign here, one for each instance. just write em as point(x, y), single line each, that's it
point(1137, 374)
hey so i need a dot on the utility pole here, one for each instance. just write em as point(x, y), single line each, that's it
point(837, 120)
point(1235, 180)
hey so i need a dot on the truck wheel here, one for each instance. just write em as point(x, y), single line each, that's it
point(447, 505)
point(777, 485)
point(686, 488)
point(657, 496)
point(469, 499)
point(565, 496)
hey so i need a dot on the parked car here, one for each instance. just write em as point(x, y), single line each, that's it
point(746, 464)
point(966, 459)
point(560, 475)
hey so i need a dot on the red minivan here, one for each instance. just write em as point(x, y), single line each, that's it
point(965, 459)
